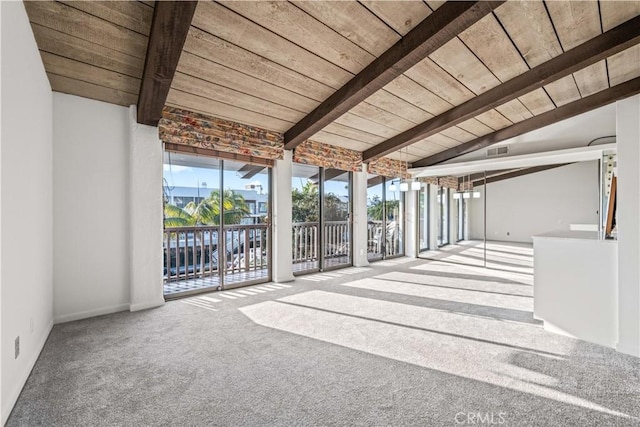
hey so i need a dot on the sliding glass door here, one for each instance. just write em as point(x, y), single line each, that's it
point(246, 223)
point(385, 217)
point(443, 216)
point(423, 218)
point(376, 233)
point(336, 218)
point(305, 202)
point(217, 224)
point(393, 219)
point(462, 206)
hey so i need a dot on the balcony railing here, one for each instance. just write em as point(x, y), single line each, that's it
point(193, 252)
point(305, 240)
point(383, 242)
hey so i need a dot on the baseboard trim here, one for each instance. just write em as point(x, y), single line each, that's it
point(10, 401)
point(633, 350)
point(90, 313)
point(145, 305)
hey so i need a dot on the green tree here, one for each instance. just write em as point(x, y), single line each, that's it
point(207, 212)
point(305, 203)
point(235, 207)
point(335, 209)
point(375, 211)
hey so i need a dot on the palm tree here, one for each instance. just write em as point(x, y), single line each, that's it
point(207, 211)
point(235, 207)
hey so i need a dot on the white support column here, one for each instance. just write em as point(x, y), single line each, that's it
point(282, 222)
point(360, 218)
point(411, 224)
point(628, 207)
point(145, 227)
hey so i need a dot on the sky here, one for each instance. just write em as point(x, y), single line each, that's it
point(186, 176)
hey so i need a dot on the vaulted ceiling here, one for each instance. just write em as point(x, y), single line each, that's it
point(275, 64)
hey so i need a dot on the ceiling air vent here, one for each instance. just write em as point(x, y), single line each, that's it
point(498, 151)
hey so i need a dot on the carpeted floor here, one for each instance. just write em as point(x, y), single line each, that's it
point(403, 342)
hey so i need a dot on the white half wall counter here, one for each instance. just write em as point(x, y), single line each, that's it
point(575, 289)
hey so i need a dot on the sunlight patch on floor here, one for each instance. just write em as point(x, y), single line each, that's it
point(509, 334)
point(477, 361)
point(457, 295)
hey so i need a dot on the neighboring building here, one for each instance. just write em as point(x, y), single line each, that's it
point(181, 196)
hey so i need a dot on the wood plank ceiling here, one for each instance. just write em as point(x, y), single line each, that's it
point(269, 64)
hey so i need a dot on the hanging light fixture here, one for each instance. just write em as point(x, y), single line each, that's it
point(415, 186)
point(393, 187)
point(404, 186)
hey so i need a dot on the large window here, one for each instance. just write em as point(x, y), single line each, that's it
point(216, 224)
point(336, 215)
point(321, 213)
point(385, 213)
point(423, 218)
point(305, 201)
point(443, 216)
point(462, 206)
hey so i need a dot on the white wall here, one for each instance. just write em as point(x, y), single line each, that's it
point(628, 131)
point(90, 207)
point(521, 207)
point(360, 233)
point(26, 202)
point(282, 219)
point(145, 203)
point(576, 286)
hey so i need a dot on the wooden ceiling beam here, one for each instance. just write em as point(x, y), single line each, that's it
point(517, 173)
point(609, 43)
point(169, 28)
point(597, 100)
point(434, 31)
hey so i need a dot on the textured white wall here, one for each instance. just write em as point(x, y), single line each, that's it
point(282, 219)
point(575, 287)
point(26, 200)
point(628, 131)
point(360, 233)
point(90, 207)
point(521, 207)
point(145, 202)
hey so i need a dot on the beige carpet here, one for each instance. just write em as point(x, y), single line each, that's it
point(403, 342)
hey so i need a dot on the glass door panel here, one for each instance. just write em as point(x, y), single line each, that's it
point(246, 223)
point(375, 218)
point(191, 223)
point(440, 216)
point(394, 224)
point(306, 218)
point(423, 218)
point(336, 211)
point(443, 216)
point(461, 218)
